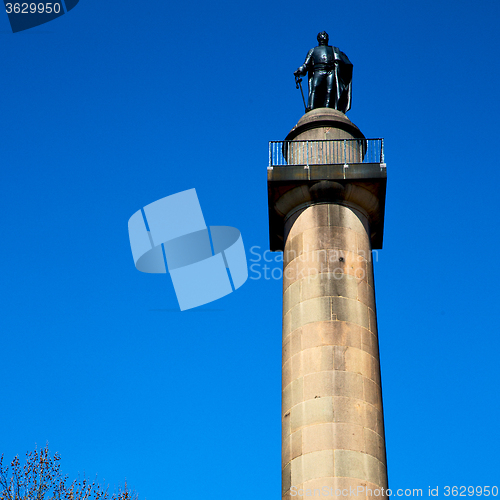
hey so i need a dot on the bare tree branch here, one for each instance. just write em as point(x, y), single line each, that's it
point(40, 478)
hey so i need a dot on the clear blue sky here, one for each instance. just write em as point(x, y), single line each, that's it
point(118, 104)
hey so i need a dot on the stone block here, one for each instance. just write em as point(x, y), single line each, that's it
point(297, 391)
point(375, 375)
point(330, 237)
point(312, 216)
point(293, 249)
point(350, 464)
point(349, 410)
point(286, 373)
point(286, 478)
point(380, 423)
point(292, 345)
point(317, 359)
point(357, 465)
point(358, 361)
point(350, 310)
point(296, 362)
point(373, 321)
point(372, 393)
point(329, 284)
point(347, 384)
point(286, 399)
point(366, 294)
point(383, 475)
point(349, 263)
point(318, 385)
point(374, 491)
point(317, 437)
point(286, 429)
point(291, 296)
point(339, 357)
point(369, 343)
point(311, 412)
point(310, 311)
point(348, 437)
point(348, 488)
point(314, 465)
point(307, 264)
point(364, 243)
point(343, 216)
point(296, 341)
point(374, 444)
point(286, 349)
point(373, 419)
point(310, 264)
point(373, 470)
point(319, 333)
point(323, 487)
point(296, 439)
point(286, 451)
point(287, 324)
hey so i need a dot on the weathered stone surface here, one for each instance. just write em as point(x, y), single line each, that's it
point(313, 465)
point(286, 479)
point(374, 444)
point(312, 310)
point(317, 359)
point(311, 412)
point(308, 219)
point(357, 465)
point(338, 488)
point(286, 450)
point(327, 260)
point(333, 431)
point(296, 444)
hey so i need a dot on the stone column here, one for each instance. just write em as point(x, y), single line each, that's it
point(332, 420)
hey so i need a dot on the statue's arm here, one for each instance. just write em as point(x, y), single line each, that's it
point(302, 70)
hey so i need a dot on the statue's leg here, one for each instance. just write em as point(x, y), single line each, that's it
point(314, 84)
point(330, 93)
point(311, 96)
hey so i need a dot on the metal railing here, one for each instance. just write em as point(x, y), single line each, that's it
point(331, 152)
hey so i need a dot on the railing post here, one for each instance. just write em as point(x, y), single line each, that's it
point(307, 154)
point(382, 160)
point(270, 154)
point(345, 159)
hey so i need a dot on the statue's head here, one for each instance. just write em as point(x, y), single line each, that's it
point(323, 38)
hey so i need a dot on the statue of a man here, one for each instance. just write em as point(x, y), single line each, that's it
point(330, 76)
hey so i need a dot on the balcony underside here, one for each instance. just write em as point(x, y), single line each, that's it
point(281, 179)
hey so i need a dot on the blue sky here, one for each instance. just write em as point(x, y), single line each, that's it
point(118, 104)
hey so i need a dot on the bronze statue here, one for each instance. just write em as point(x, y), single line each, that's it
point(330, 76)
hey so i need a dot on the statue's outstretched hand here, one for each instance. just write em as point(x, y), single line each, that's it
point(298, 72)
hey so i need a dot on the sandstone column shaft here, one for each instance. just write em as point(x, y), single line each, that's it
point(332, 419)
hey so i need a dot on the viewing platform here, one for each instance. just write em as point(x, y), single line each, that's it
point(343, 171)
